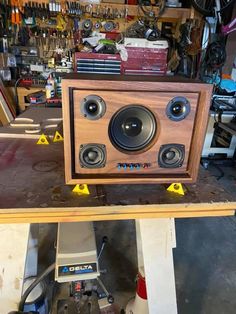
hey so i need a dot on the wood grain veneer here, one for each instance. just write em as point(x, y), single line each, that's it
point(121, 91)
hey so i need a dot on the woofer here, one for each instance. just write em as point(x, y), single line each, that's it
point(92, 156)
point(93, 107)
point(132, 128)
point(178, 108)
point(171, 155)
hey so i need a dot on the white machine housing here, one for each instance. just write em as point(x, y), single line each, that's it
point(76, 254)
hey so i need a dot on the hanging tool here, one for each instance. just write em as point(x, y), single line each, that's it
point(15, 18)
point(97, 25)
point(87, 25)
point(109, 26)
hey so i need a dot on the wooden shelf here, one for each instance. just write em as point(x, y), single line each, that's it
point(169, 13)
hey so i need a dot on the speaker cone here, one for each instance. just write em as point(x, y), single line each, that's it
point(93, 107)
point(171, 156)
point(132, 128)
point(178, 108)
point(92, 156)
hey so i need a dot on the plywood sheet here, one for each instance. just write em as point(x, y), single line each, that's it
point(33, 189)
point(41, 119)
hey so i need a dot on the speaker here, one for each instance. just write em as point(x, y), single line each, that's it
point(92, 155)
point(132, 129)
point(171, 155)
point(93, 107)
point(128, 129)
point(178, 108)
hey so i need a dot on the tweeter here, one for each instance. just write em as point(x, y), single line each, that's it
point(93, 107)
point(178, 108)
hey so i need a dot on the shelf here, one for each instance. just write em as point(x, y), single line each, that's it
point(169, 13)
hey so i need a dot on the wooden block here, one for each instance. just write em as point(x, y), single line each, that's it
point(13, 249)
point(22, 92)
point(9, 98)
point(156, 243)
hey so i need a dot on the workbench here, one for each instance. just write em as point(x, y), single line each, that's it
point(33, 191)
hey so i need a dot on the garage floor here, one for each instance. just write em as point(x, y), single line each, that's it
point(205, 258)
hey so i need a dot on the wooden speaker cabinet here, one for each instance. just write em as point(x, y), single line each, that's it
point(127, 129)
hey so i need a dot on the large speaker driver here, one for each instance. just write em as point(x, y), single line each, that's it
point(178, 108)
point(132, 128)
point(171, 156)
point(93, 107)
point(92, 156)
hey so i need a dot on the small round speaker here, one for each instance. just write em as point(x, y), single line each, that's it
point(92, 156)
point(171, 156)
point(178, 108)
point(93, 107)
point(132, 128)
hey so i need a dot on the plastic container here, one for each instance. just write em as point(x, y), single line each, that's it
point(50, 91)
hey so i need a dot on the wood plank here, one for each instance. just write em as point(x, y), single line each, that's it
point(158, 265)
point(199, 131)
point(5, 111)
point(125, 209)
point(117, 212)
point(8, 98)
point(22, 92)
point(121, 216)
point(12, 260)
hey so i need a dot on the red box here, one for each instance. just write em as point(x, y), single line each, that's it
point(145, 57)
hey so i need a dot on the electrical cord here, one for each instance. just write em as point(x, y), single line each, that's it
point(214, 59)
point(149, 13)
point(215, 55)
point(33, 285)
point(104, 241)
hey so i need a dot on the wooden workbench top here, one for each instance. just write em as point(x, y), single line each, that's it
point(32, 189)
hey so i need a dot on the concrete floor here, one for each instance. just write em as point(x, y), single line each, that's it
point(205, 258)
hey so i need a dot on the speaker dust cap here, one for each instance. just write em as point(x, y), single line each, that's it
point(178, 108)
point(93, 107)
point(132, 128)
